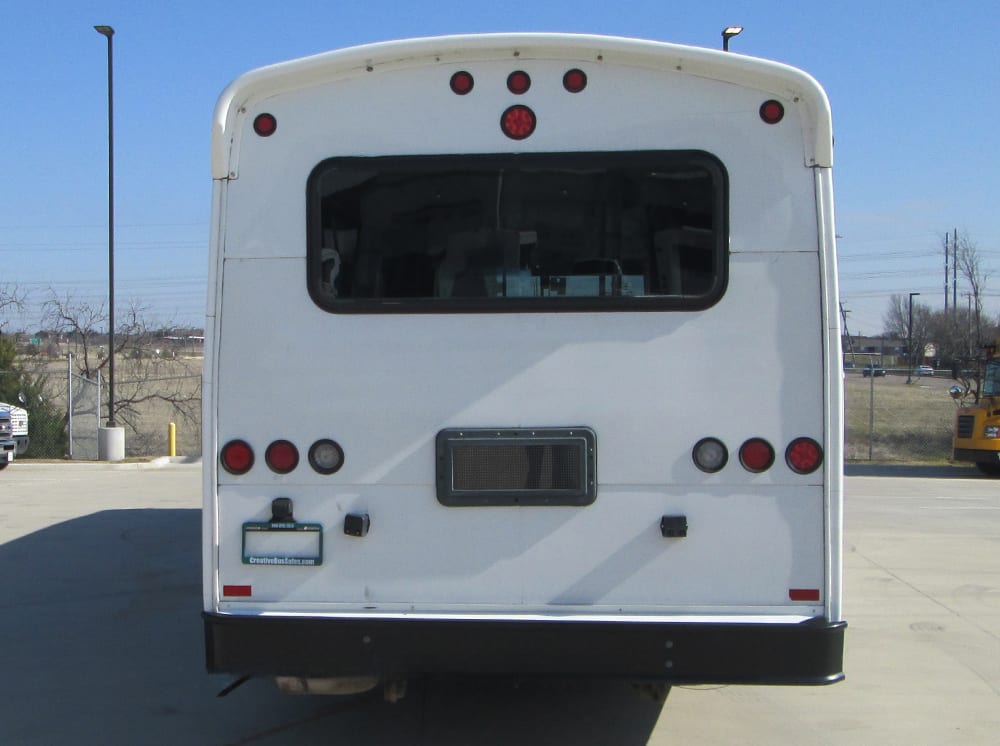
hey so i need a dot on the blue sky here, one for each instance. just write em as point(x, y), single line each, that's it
point(915, 90)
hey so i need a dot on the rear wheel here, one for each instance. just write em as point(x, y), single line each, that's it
point(989, 468)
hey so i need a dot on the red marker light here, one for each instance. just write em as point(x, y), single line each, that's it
point(265, 125)
point(756, 455)
point(236, 457)
point(518, 82)
point(772, 112)
point(575, 80)
point(518, 122)
point(803, 455)
point(281, 456)
point(237, 591)
point(462, 82)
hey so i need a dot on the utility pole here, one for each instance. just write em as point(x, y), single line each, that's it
point(946, 274)
point(954, 271)
point(850, 342)
point(909, 342)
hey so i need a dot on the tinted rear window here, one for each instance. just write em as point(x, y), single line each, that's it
point(543, 232)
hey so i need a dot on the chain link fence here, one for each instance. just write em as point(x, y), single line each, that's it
point(888, 419)
point(64, 413)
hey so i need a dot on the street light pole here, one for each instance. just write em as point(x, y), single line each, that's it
point(909, 342)
point(728, 33)
point(108, 32)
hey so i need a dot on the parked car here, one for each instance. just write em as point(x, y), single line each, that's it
point(875, 371)
point(925, 370)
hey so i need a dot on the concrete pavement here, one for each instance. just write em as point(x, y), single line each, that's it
point(100, 635)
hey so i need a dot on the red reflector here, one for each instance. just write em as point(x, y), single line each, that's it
point(265, 125)
point(756, 455)
point(237, 591)
point(518, 122)
point(804, 455)
point(518, 82)
point(236, 457)
point(772, 111)
point(461, 82)
point(803, 594)
point(282, 456)
point(575, 80)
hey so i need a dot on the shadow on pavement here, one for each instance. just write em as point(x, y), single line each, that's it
point(101, 642)
point(908, 470)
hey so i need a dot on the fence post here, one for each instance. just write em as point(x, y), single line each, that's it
point(69, 402)
point(871, 411)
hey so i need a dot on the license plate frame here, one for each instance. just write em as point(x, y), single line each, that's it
point(286, 544)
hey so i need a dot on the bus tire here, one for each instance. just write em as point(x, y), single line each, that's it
point(988, 468)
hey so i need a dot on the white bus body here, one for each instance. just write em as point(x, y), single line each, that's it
point(615, 450)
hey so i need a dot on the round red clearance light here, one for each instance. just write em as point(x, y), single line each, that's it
point(281, 456)
point(326, 456)
point(518, 122)
point(710, 455)
point(265, 125)
point(756, 455)
point(804, 455)
point(575, 80)
point(236, 457)
point(462, 82)
point(772, 112)
point(518, 82)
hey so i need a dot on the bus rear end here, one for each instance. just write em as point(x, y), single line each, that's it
point(523, 358)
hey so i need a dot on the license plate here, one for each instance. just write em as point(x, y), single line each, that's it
point(282, 544)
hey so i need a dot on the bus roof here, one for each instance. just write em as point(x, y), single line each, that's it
point(778, 79)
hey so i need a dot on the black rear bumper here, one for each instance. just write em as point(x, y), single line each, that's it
point(806, 653)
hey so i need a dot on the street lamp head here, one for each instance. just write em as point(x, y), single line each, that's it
point(105, 31)
point(728, 33)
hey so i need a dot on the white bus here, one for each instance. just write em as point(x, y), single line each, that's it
point(523, 357)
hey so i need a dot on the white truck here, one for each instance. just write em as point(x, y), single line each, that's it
point(7, 444)
point(19, 426)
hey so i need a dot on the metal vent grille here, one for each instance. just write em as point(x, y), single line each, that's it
point(966, 425)
point(516, 467)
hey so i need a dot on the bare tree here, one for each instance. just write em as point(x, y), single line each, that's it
point(971, 267)
point(11, 299)
point(140, 376)
point(896, 323)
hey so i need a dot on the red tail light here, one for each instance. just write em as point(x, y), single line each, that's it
point(281, 456)
point(575, 80)
point(518, 82)
point(518, 122)
point(772, 112)
point(756, 455)
point(461, 82)
point(265, 125)
point(804, 455)
point(236, 457)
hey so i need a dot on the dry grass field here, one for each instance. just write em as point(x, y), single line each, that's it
point(150, 384)
point(908, 422)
